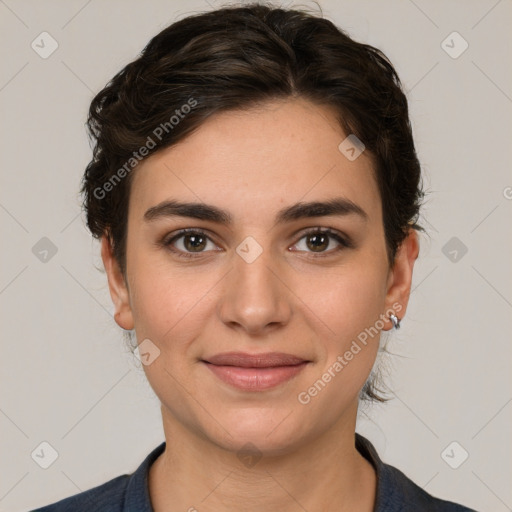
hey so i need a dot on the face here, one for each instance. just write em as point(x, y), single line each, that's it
point(276, 278)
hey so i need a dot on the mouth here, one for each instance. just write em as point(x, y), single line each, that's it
point(255, 372)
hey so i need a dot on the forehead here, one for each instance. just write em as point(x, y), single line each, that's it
point(254, 162)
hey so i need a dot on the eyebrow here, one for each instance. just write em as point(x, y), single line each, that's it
point(338, 206)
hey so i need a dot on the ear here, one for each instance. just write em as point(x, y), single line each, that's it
point(118, 289)
point(400, 278)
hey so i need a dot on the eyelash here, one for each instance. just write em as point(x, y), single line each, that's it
point(344, 242)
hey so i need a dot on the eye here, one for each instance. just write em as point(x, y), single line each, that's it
point(188, 242)
point(318, 240)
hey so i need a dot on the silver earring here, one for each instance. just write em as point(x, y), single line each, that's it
point(395, 320)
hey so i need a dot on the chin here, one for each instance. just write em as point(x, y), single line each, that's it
point(269, 430)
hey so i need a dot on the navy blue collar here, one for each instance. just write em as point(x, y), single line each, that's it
point(137, 497)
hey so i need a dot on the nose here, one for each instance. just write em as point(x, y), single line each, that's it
point(254, 296)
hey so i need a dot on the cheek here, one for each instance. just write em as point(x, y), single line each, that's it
point(347, 305)
point(169, 308)
point(168, 303)
point(348, 299)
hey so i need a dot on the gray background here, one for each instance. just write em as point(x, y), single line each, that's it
point(67, 376)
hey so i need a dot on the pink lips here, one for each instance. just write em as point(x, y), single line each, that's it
point(255, 372)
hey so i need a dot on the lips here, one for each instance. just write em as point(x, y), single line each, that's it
point(243, 360)
point(255, 372)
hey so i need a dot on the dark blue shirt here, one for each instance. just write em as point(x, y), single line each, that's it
point(130, 493)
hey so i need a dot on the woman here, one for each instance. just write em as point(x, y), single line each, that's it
point(256, 188)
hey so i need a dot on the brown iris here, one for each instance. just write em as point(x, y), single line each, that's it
point(194, 242)
point(319, 241)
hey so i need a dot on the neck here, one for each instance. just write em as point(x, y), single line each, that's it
point(327, 473)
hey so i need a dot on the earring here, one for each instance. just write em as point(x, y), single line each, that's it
point(395, 320)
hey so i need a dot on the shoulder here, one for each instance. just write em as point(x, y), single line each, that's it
point(398, 493)
point(125, 493)
point(102, 498)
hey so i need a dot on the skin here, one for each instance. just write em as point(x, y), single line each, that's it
point(253, 163)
